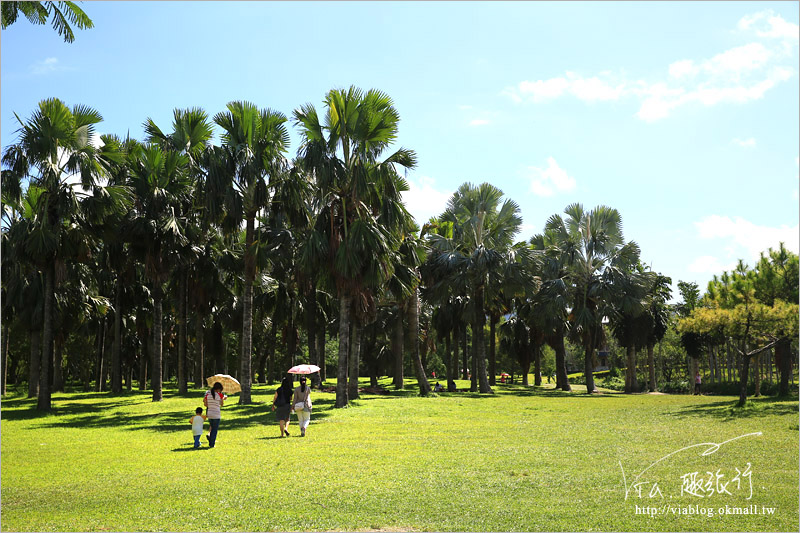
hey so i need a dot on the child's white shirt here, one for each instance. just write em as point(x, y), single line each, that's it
point(197, 425)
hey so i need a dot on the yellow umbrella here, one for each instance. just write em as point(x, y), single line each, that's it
point(229, 383)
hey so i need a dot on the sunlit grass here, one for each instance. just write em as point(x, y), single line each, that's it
point(519, 460)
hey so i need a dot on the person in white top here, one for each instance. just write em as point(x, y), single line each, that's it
point(214, 400)
point(301, 404)
point(197, 425)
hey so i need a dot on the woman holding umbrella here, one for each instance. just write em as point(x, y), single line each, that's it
point(281, 404)
point(213, 401)
point(301, 404)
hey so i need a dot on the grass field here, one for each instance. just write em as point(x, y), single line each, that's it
point(519, 460)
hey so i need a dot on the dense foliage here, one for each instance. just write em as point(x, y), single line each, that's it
point(174, 257)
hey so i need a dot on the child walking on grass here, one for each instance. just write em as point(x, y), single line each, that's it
point(197, 426)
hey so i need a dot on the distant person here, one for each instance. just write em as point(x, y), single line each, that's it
point(197, 422)
point(437, 387)
point(301, 404)
point(214, 400)
point(451, 386)
point(282, 403)
point(697, 381)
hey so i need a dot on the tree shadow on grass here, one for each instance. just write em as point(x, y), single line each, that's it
point(87, 415)
point(727, 411)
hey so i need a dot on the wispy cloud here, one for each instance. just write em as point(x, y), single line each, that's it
point(768, 24)
point(745, 143)
point(708, 264)
point(745, 239)
point(423, 200)
point(47, 66)
point(548, 181)
point(478, 122)
point(735, 76)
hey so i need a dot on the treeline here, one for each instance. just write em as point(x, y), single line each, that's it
point(139, 260)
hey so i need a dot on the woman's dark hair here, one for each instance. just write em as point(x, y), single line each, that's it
point(302, 384)
point(286, 385)
point(217, 386)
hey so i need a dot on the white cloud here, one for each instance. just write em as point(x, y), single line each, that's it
point(464, 107)
point(543, 89)
point(478, 122)
point(742, 58)
point(590, 89)
point(46, 66)
point(684, 67)
point(768, 24)
point(708, 264)
point(746, 143)
point(745, 238)
point(548, 181)
point(735, 76)
point(423, 200)
point(586, 89)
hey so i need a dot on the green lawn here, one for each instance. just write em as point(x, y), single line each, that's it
point(520, 460)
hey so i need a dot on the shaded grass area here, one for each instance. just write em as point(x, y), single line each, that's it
point(523, 459)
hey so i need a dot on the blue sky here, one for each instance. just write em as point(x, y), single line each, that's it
point(681, 115)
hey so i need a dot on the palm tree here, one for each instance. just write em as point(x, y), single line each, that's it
point(63, 14)
point(550, 304)
point(658, 314)
point(480, 247)
point(161, 186)
point(597, 255)
point(629, 322)
point(55, 145)
point(191, 135)
point(251, 157)
point(361, 210)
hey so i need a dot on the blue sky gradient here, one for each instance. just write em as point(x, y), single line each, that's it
point(682, 115)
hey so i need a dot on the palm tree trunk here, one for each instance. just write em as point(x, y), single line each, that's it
point(101, 346)
point(4, 372)
point(448, 357)
point(323, 371)
point(247, 320)
point(456, 359)
point(464, 355)
point(398, 350)
point(480, 320)
point(157, 343)
point(144, 358)
point(588, 367)
point(291, 336)
point(537, 367)
point(271, 352)
point(311, 327)
point(344, 344)
point(108, 343)
point(116, 365)
point(556, 342)
point(651, 362)
point(354, 360)
point(199, 352)
point(413, 324)
point(182, 374)
point(36, 361)
point(58, 371)
point(631, 383)
point(44, 401)
point(492, 358)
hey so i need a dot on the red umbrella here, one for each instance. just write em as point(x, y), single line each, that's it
point(303, 369)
